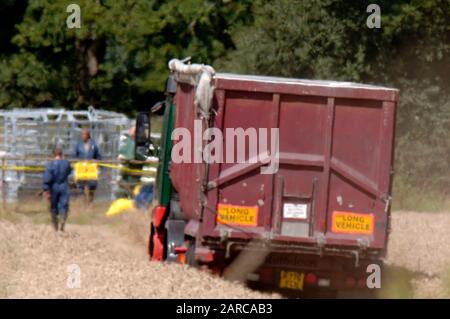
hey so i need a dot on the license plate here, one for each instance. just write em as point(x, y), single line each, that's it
point(237, 215)
point(352, 223)
point(86, 171)
point(291, 280)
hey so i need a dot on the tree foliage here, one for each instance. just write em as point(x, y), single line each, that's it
point(118, 58)
point(118, 55)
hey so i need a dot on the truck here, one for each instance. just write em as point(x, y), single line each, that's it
point(306, 209)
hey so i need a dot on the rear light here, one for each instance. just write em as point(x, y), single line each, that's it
point(311, 279)
point(350, 282)
point(158, 215)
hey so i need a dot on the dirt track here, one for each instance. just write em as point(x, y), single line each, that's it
point(419, 250)
point(34, 261)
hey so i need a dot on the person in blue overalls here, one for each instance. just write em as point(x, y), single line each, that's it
point(56, 188)
point(87, 149)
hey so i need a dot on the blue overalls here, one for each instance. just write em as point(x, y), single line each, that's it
point(56, 181)
point(92, 153)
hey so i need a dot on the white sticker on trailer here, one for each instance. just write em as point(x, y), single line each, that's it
point(299, 211)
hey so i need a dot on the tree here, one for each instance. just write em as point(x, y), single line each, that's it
point(117, 57)
point(11, 12)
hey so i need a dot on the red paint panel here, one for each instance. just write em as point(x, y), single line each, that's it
point(185, 177)
point(247, 188)
point(356, 135)
point(244, 110)
point(302, 124)
point(305, 88)
point(336, 149)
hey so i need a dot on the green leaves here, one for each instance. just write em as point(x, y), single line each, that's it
point(24, 81)
point(119, 55)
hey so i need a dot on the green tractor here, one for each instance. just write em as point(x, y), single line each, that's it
point(159, 243)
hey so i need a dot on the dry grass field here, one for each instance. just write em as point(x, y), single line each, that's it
point(111, 255)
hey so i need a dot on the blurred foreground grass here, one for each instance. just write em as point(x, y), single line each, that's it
point(414, 198)
point(134, 223)
point(397, 282)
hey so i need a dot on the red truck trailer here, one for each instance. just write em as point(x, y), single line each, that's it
point(322, 217)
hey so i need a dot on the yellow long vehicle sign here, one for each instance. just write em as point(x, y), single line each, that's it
point(237, 215)
point(352, 223)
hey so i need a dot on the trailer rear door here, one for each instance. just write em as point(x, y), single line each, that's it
point(335, 153)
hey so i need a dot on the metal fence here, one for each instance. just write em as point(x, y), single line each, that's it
point(27, 135)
